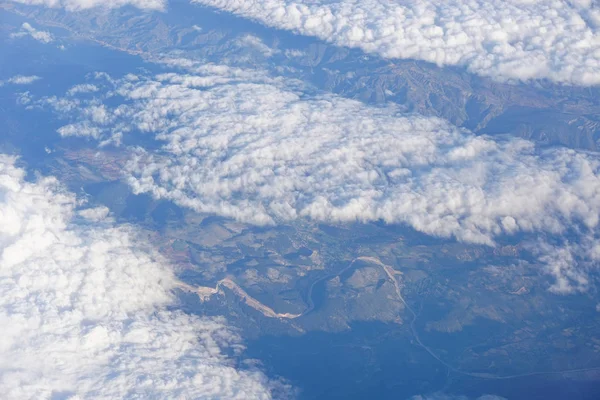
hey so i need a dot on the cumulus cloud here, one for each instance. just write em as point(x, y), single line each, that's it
point(28, 30)
point(84, 88)
point(21, 80)
point(570, 262)
point(95, 214)
point(504, 39)
point(84, 309)
point(262, 152)
point(76, 5)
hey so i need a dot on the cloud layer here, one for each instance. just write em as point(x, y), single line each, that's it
point(83, 308)
point(504, 39)
point(262, 152)
point(508, 40)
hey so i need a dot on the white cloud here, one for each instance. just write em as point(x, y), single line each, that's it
point(76, 5)
point(21, 80)
point(28, 30)
point(253, 42)
point(84, 88)
point(570, 263)
point(505, 39)
point(84, 309)
point(95, 214)
point(261, 152)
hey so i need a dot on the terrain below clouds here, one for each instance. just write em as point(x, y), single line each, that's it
point(356, 198)
point(545, 112)
point(242, 145)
